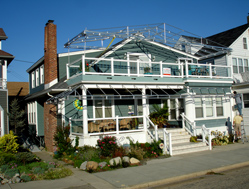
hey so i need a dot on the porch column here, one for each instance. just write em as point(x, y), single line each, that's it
point(84, 104)
point(190, 108)
point(144, 103)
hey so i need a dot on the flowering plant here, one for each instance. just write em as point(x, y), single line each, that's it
point(107, 145)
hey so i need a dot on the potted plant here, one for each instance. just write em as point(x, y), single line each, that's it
point(159, 116)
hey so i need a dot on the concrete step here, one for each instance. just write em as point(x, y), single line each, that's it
point(184, 148)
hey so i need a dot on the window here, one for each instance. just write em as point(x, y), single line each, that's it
point(198, 108)
point(219, 106)
point(175, 108)
point(33, 79)
point(246, 100)
point(240, 65)
point(172, 109)
point(103, 108)
point(42, 74)
point(32, 112)
point(235, 68)
point(209, 107)
point(37, 77)
point(246, 65)
point(245, 43)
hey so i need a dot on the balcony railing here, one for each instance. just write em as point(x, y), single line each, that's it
point(3, 83)
point(119, 67)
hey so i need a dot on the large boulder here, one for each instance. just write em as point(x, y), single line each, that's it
point(115, 161)
point(102, 164)
point(83, 166)
point(91, 166)
point(134, 161)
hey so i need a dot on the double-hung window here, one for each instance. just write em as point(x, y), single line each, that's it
point(33, 79)
point(209, 107)
point(240, 65)
point(103, 108)
point(42, 74)
point(37, 77)
point(244, 43)
point(198, 108)
point(235, 68)
point(219, 106)
point(32, 112)
point(246, 65)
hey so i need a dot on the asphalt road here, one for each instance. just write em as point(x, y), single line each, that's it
point(235, 179)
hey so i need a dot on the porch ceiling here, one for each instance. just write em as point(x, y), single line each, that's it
point(136, 92)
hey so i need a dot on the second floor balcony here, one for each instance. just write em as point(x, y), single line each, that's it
point(183, 68)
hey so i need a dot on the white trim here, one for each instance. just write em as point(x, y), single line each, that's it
point(79, 52)
point(2, 129)
point(41, 74)
point(48, 85)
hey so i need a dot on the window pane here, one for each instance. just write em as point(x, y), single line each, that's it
point(246, 100)
point(209, 107)
point(108, 112)
point(219, 111)
point(240, 65)
point(172, 104)
point(219, 106)
point(246, 65)
point(173, 114)
point(244, 43)
point(199, 112)
point(235, 69)
point(98, 113)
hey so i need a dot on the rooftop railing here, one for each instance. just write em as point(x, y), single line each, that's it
point(137, 68)
point(3, 83)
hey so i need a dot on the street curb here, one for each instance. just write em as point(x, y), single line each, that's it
point(188, 176)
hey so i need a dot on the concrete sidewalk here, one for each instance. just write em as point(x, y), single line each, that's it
point(156, 172)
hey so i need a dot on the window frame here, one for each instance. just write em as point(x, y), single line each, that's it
point(32, 112)
point(33, 79)
point(245, 43)
point(41, 74)
point(37, 77)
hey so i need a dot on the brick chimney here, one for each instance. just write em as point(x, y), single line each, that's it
point(50, 78)
point(50, 55)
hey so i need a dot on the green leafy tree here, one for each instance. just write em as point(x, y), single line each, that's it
point(16, 117)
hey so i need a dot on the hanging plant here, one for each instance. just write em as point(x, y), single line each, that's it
point(78, 104)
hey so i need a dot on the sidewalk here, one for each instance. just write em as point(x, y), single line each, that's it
point(156, 172)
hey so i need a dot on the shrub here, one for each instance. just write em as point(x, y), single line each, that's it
point(25, 178)
point(6, 158)
point(9, 173)
point(38, 170)
point(26, 157)
point(193, 139)
point(89, 154)
point(63, 142)
point(3, 168)
point(56, 173)
point(8, 143)
point(137, 152)
point(107, 146)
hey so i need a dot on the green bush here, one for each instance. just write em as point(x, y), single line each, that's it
point(26, 157)
point(89, 154)
point(8, 143)
point(3, 168)
point(107, 146)
point(25, 178)
point(9, 173)
point(38, 170)
point(137, 152)
point(56, 173)
point(63, 142)
point(6, 158)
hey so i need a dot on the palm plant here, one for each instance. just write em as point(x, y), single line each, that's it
point(160, 115)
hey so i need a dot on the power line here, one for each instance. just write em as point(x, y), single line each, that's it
point(24, 61)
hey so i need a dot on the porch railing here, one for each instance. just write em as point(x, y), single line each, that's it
point(166, 137)
point(206, 133)
point(188, 125)
point(119, 67)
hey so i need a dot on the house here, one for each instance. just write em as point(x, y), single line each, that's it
point(238, 40)
point(111, 91)
point(5, 60)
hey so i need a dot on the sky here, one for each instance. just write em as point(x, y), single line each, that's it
point(24, 21)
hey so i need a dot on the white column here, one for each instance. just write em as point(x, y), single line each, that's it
point(85, 120)
point(189, 108)
point(144, 104)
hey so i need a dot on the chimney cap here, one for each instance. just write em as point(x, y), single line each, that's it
point(50, 21)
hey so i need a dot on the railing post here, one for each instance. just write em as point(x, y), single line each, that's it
point(186, 68)
point(182, 69)
point(138, 68)
point(164, 141)
point(161, 69)
point(183, 121)
point(117, 124)
point(112, 68)
point(156, 133)
point(210, 70)
point(170, 145)
point(209, 139)
point(128, 66)
point(67, 67)
point(194, 128)
point(203, 133)
point(70, 124)
point(83, 65)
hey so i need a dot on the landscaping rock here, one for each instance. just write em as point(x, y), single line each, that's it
point(126, 159)
point(134, 161)
point(91, 166)
point(115, 161)
point(83, 166)
point(102, 164)
point(16, 178)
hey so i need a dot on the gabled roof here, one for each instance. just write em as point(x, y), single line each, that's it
point(2, 34)
point(7, 56)
point(226, 38)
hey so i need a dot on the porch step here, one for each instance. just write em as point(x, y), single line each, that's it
point(184, 148)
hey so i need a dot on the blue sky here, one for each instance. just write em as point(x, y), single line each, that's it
point(24, 21)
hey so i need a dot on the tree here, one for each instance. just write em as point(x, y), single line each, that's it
point(16, 117)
